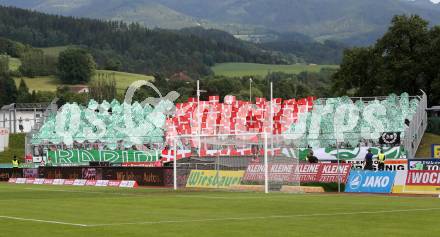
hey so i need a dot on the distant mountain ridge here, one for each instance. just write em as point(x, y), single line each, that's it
point(132, 47)
point(356, 22)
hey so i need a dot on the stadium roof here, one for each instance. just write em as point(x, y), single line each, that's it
point(26, 106)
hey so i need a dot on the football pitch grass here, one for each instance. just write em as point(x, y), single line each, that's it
point(39, 210)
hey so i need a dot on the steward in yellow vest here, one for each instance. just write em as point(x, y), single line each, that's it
point(15, 162)
point(381, 159)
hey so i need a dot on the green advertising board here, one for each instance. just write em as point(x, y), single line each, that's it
point(116, 156)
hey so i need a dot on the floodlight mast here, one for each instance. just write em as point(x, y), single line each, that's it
point(199, 117)
point(266, 166)
point(175, 164)
point(199, 122)
point(250, 90)
point(271, 115)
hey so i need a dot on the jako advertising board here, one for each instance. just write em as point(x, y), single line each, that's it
point(370, 182)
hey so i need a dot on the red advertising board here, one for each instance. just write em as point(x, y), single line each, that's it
point(128, 184)
point(330, 173)
point(277, 172)
point(39, 181)
point(101, 183)
point(91, 183)
point(69, 181)
point(114, 183)
point(423, 177)
point(304, 173)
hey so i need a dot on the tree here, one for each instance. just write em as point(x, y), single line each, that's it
point(4, 64)
point(8, 90)
point(131, 47)
point(405, 59)
point(75, 66)
point(404, 50)
point(23, 95)
point(104, 88)
point(112, 64)
point(36, 63)
point(64, 96)
point(11, 48)
point(434, 62)
point(358, 73)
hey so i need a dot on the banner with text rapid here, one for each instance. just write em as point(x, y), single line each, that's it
point(116, 156)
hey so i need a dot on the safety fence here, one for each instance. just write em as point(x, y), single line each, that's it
point(412, 176)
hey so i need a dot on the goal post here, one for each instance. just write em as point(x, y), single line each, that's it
point(252, 161)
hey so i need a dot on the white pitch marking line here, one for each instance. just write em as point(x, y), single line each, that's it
point(182, 195)
point(43, 221)
point(217, 197)
point(263, 217)
point(137, 195)
point(79, 191)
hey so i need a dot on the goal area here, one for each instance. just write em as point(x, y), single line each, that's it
point(245, 162)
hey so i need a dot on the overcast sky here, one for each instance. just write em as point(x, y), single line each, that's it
point(436, 1)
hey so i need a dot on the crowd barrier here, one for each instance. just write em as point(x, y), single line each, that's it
point(413, 176)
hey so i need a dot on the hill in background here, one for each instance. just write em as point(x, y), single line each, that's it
point(355, 22)
point(131, 47)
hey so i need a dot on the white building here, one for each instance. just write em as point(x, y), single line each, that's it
point(22, 117)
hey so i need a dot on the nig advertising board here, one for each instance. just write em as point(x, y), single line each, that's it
point(370, 182)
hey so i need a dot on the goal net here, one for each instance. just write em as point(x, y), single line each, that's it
point(246, 162)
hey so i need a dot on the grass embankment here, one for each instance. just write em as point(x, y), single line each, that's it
point(16, 147)
point(428, 139)
point(51, 83)
point(255, 69)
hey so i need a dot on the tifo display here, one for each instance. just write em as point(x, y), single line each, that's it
point(234, 143)
point(308, 123)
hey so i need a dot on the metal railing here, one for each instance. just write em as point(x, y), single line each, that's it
point(51, 109)
point(417, 127)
